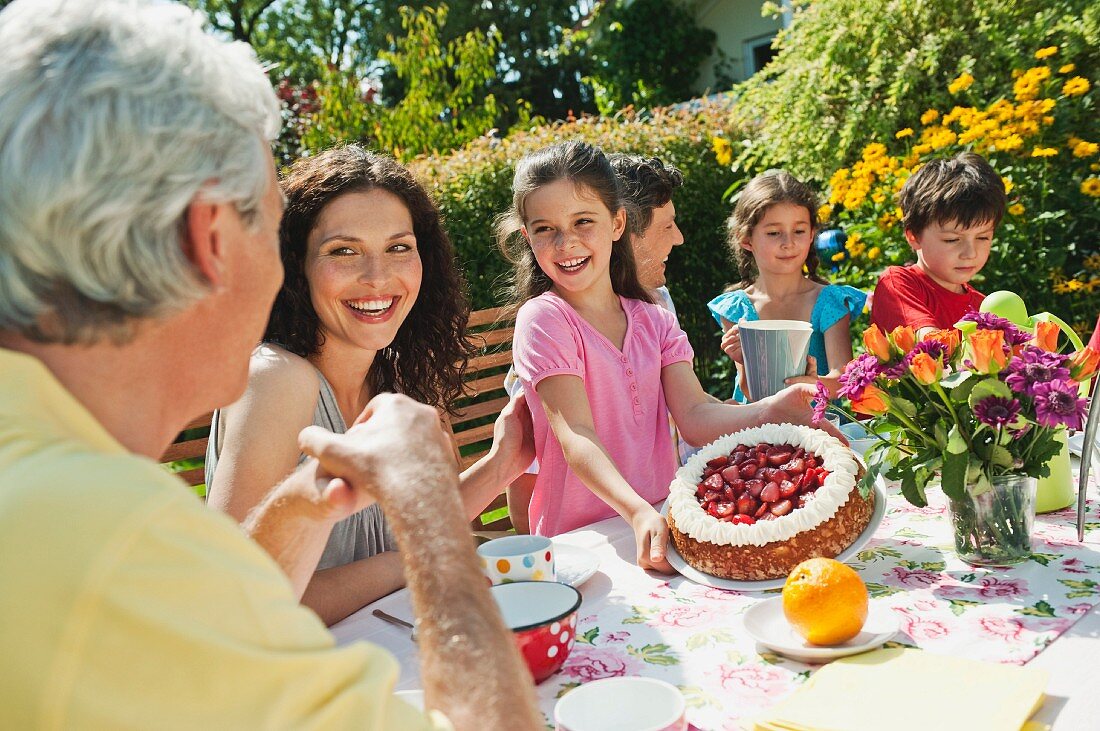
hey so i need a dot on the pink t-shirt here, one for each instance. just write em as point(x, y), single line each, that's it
point(625, 395)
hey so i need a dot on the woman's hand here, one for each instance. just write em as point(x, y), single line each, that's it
point(731, 345)
point(651, 539)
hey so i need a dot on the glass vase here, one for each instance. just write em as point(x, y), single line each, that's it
point(994, 528)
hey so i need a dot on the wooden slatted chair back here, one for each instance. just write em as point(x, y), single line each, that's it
point(187, 455)
point(491, 333)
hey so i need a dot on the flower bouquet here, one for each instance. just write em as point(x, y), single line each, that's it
point(979, 413)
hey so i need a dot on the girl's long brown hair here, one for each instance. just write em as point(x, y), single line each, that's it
point(586, 166)
point(762, 192)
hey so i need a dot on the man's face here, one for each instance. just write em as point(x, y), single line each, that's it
point(951, 254)
point(652, 248)
point(254, 273)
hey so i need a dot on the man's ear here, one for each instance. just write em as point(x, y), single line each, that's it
point(619, 222)
point(202, 243)
point(914, 242)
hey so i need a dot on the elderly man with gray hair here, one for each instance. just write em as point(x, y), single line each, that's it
point(139, 212)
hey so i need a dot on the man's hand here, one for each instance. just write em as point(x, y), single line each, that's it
point(392, 435)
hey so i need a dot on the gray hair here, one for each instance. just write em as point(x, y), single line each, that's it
point(115, 116)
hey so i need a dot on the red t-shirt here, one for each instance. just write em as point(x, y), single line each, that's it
point(907, 296)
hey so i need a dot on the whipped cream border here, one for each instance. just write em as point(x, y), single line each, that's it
point(692, 520)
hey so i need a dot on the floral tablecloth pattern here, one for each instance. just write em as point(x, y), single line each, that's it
point(693, 636)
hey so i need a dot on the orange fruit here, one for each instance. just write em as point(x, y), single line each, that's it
point(825, 601)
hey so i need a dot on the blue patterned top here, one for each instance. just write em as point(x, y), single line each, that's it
point(833, 302)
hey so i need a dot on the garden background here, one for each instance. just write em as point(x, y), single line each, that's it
point(859, 94)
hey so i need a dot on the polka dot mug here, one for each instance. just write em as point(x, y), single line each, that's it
point(517, 558)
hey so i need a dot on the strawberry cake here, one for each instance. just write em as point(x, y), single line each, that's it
point(753, 505)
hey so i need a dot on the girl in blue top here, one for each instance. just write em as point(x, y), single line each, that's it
point(771, 236)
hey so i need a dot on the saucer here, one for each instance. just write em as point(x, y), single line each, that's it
point(767, 625)
point(574, 565)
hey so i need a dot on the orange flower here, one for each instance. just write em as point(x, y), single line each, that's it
point(988, 347)
point(1084, 364)
point(876, 343)
point(926, 369)
point(903, 338)
point(1046, 336)
point(873, 401)
point(948, 338)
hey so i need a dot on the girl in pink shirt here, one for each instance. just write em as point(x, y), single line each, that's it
point(601, 365)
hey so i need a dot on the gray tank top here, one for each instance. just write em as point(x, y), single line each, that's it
point(359, 536)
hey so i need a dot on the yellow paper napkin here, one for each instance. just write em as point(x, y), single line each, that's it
point(910, 690)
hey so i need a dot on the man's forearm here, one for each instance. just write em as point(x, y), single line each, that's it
point(290, 528)
point(460, 630)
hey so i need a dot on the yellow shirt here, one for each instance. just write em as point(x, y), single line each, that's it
point(126, 603)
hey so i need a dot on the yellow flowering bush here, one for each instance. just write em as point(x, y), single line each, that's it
point(1039, 129)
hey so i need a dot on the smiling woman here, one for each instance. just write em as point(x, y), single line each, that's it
point(358, 239)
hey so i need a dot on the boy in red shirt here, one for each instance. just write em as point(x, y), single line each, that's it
point(950, 209)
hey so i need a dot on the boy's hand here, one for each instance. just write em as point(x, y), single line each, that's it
point(731, 345)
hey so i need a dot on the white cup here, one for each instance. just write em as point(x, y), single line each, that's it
point(518, 558)
point(622, 704)
point(774, 350)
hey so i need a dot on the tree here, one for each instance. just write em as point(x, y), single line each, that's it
point(304, 38)
point(645, 52)
point(851, 70)
point(447, 103)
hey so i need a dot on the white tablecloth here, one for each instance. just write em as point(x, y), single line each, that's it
point(1073, 660)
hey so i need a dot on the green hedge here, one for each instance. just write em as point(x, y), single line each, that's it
point(473, 185)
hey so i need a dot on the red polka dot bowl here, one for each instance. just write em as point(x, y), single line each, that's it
point(543, 618)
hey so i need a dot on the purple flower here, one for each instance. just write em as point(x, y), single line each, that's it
point(858, 375)
point(1057, 403)
point(989, 321)
point(931, 347)
point(997, 411)
point(820, 403)
point(1034, 366)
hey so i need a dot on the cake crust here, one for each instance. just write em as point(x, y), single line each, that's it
point(776, 559)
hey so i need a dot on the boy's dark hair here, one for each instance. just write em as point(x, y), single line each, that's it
point(428, 356)
point(646, 184)
point(964, 190)
point(768, 189)
point(583, 165)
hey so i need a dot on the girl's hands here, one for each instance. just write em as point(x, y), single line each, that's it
point(651, 539)
point(731, 345)
point(830, 380)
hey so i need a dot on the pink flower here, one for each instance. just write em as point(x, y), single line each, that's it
point(682, 617)
point(1082, 608)
point(925, 605)
point(922, 629)
point(617, 637)
point(991, 587)
point(916, 578)
point(1009, 629)
point(1074, 566)
point(759, 681)
point(593, 663)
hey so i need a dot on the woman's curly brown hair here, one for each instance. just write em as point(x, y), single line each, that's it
point(429, 354)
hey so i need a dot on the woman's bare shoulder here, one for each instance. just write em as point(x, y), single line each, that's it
point(277, 377)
